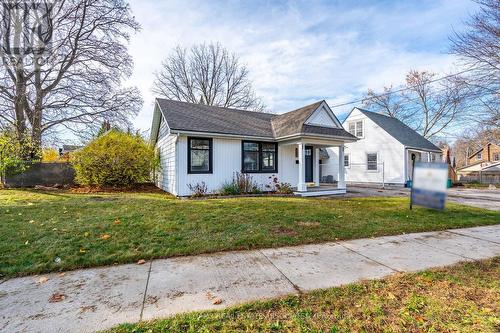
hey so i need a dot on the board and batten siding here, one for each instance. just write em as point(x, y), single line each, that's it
point(375, 140)
point(226, 162)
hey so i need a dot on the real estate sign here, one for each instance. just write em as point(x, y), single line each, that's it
point(429, 185)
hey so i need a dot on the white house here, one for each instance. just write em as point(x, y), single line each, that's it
point(199, 143)
point(384, 149)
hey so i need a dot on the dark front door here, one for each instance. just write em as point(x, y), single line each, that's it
point(309, 164)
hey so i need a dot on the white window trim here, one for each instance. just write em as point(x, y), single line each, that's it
point(362, 128)
point(366, 156)
point(348, 161)
point(355, 122)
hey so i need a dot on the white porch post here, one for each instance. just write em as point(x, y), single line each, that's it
point(316, 167)
point(341, 178)
point(301, 185)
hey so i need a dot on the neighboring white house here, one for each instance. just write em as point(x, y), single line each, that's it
point(199, 143)
point(384, 150)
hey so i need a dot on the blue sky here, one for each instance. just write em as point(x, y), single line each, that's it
point(299, 52)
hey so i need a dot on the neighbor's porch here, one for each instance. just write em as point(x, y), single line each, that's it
point(316, 174)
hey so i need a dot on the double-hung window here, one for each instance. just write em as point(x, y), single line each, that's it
point(200, 151)
point(346, 160)
point(356, 128)
point(259, 156)
point(359, 129)
point(352, 128)
point(371, 162)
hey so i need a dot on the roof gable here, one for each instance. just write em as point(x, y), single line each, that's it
point(324, 117)
point(398, 130)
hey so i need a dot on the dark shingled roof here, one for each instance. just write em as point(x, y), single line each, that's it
point(400, 131)
point(291, 122)
point(212, 119)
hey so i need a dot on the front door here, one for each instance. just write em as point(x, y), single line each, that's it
point(309, 164)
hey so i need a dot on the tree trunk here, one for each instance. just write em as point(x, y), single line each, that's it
point(19, 100)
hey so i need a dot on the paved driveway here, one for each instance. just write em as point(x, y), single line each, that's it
point(488, 199)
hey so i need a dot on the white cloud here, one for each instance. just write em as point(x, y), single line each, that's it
point(300, 52)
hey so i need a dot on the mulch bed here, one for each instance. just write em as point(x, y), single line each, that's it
point(139, 188)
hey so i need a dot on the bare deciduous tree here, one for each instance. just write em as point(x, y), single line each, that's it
point(436, 107)
point(427, 105)
point(206, 74)
point(479, 49)
point(388, 103)
point(71, 66)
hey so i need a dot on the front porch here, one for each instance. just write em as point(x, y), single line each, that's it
point(323, 189)
point(318, 175)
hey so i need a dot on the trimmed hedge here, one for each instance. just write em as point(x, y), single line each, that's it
point(116, 159)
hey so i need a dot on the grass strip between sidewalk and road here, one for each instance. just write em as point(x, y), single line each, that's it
point(56, 231)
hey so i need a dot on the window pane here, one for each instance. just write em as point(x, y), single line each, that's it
point(359, 128)
point(268, 160)
point(251, 161)
point(371, 161)
point(250, 146)
point(200, 144)
point(268, 147)
point(352, 128)
point(346, 160)
point(200, 160)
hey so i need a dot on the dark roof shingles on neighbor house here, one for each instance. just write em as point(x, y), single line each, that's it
point(400, 131)
point(211, 119)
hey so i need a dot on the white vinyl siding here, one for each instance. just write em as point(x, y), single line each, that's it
point(166, 176)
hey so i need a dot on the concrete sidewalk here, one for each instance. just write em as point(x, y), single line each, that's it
point(95, 299)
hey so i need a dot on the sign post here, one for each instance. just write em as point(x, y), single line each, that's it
point(429, 185)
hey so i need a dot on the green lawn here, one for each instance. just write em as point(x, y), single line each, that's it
point(462, 298)
point(84, 230)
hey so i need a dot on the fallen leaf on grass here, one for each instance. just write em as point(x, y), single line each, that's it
point(105, 236)
point(27, 242)
point(42, 279)
point(57, 298)
point(141, 262)
point(32, 221)
point(83, 250)
point(117, 221)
